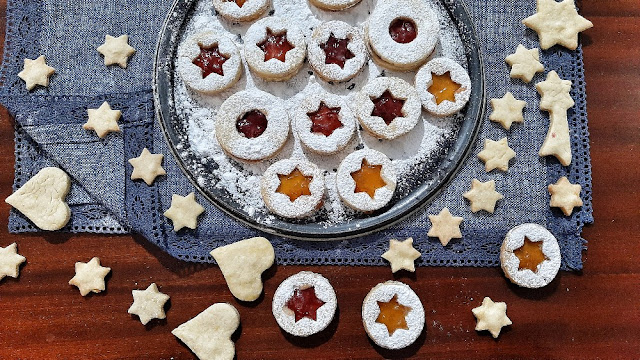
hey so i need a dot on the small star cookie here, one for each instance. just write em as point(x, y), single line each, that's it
point(103, 120)
point(445, 226)
point(90, 276)
point(491, 316)
point(184, 211)
point(36, 72)
point(10, 261)
point(148, 304)
point(496, 154)
point(565, 195)
point(507, 110)
point(147, 167)
point(116, 50)
point(401, 255)
point(525, 63)
point(557, 23)
point(483, 196)
point(556, 99)
point(555, 93)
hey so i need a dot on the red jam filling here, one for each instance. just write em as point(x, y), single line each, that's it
point(252, 124)
point(304, 303)
point(326, 120)
point(210, 60)
point(275, 46)
point(240, 3)
point(336, 51)
point(387, 107)
point(403, 31)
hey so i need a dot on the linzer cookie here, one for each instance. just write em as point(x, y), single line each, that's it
point(444, 86)
point(241, 10)
point(337, 51)
point(335, 5)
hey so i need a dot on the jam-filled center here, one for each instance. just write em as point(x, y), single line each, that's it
point(387, 107)
point(252, 124)
point(403, 31)
point(210, 60)
point(275, 46)
point(443, 88)
point(326, 120)
point(304, 303)
point(393, 315)
point(368, 178)
point(240, 3)
point(530, 255)
point(294, 184)
point(336, 51)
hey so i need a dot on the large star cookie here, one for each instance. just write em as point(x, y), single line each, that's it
point(507, 110)
point(36, 72)
point(525, 63)
point(557, 23)
point(565, 195)
point(147, 167)
point(401, 255)
point(10, 261)
point(496, 154)
point(116, 50)
point(483, 196)
point(148, 304)
point(491, 316)
point(103, 120)
point(184, 211)
point(90, 276)
point(445, 226)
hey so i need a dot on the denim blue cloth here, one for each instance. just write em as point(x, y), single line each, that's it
point(104, 199)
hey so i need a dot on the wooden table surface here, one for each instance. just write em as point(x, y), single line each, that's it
point(591, 314)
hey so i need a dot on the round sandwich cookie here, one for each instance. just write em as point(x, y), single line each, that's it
point(337, 51)
point(393, 315)
point(293, 188)
point(275, 48)
point(252, 125)
point(402, 34)
point(530, 256)
point(334, 5)
point(444, 86)
point(209, 62)
point(304, 304)
point(366, 180)
point(388, 107)
point(241, 10)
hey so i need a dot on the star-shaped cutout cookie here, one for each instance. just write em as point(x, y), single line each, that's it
point(90, 276)
point(555, 93)
point(148, 304)
point(103, 120)
point(36, 72)
point(525, 63)
point(116, 50)
point(496, 154)
point(445, 226)
point(557, 23)
point(483, 196)
point(565, 195)
point(147, 167)
point(507, 110)
point(10, 261)
point(184, 211)
point(491, 316)
point(401, 255)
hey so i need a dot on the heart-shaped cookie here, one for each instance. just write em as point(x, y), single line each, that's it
point(42, 199)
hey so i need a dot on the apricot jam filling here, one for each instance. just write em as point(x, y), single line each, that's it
point(252, 124)
point(530, 255)
point(326, 120)
point(275, 46)
point(403, 31)
point(393, 315)
point(294, 184)
point(336, 51)
point(240, 3)
point(210, 60)
point(387, 107)
point(304, 303)
point(368, 178)
point(443, 88)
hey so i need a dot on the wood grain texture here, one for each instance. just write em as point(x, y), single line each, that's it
point(592, 314)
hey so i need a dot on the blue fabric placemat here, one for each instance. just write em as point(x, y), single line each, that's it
point(104, 200)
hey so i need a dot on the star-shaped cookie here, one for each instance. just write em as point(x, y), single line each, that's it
point(445, 226)
point(401, 255)
point(565, 195)
point(36, 72)
point(147, 167)
point(557, 23)
point(507, 110)
point(483, 196)
point(10, 261)
point(525, 63)
point(90, 276)
point(148, 304)
point(103, 120)
point(555, 93)
point(496, 154)
point(116, 50)
point(184, 211)
point(491, 316)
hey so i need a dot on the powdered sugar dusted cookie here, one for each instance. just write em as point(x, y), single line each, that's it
point(402, 33)
point(366, 180)
point(388, 107)
point(530, 256)
point(209, 62)
point(241, 10)
point(335, 5)
point(275, 48)
point(293, 188)
point(444, 86)
point(252, 125)
point(304, 304)
point(337, 51)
